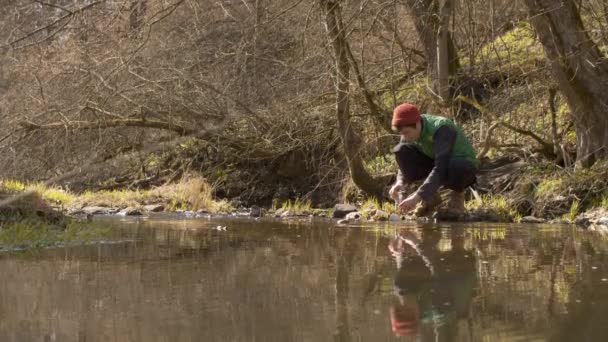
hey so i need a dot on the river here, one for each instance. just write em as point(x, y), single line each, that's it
point(167, 278)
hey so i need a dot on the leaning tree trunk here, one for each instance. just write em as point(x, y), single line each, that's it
point(426, 15)
point(350, 140)
point(580, 70)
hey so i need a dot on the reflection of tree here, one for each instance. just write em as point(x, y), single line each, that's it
point(586, 306)
point(345, 254)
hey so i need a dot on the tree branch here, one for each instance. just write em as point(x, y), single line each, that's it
point(84, 125)
point(547, 148)
point(38, 30)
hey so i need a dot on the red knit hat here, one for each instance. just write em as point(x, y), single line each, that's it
point(405, 114)
point(403, 323)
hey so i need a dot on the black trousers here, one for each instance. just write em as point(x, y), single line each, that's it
point(415, 165)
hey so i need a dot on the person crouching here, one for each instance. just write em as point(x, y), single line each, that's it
point(434, 149)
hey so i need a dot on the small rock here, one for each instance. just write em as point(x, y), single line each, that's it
point(319, 213)
point(96, 210)
point(559, 221)
point(532, 219)
point(354, 216)
point(286, 213)
point(379, 212)
point(154, 208)
point(602, 221)
point(380, 215)
point(582, 221)
point(75, 211)
point(598, 228)
point(130, 212)
point(343, 221)
point(255, 211)
point(341, 210)
point(394, 218)
point(449, 215)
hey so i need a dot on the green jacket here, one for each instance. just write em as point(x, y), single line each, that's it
point(462, 147)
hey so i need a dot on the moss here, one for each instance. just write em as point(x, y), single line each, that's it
point(516, 51)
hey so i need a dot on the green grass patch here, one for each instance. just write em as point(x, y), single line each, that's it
point(604, 202)
point(192, 193)
point(548, 188)
point(371, 204)
point(497, 204)
point(33, 232)
point(381, 165)
point(297, 207)
point(11, 186)
point(574, 210)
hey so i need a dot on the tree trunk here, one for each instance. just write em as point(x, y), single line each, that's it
point(350, 140)
point(443, 58)
point(580, 70)
point(426, 14)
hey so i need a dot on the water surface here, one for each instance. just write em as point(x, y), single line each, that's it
point(169, 279)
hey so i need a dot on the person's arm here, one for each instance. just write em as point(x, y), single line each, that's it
point(400, 176)
point(399, 182)
point(443, 142)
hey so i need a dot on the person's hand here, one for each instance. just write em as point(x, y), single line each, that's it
point(394, 191)
point(409, 203)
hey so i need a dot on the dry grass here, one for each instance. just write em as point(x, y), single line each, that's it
point(192, 193)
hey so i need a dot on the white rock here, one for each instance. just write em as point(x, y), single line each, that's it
point(353, 216)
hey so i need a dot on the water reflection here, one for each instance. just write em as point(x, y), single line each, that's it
point(182, 280)
point(434, 286)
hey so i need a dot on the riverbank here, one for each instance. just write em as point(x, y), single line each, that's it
point(38, 215)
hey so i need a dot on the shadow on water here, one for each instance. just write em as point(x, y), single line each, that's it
point(169, 279)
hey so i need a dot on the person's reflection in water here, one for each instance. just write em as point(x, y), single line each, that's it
point(434, 285)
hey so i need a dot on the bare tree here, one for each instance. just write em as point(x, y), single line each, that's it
point(443, 50)
point(431, 22)
point(580, 69)
point(350, 139)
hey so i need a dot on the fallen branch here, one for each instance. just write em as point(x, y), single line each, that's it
point(546, 147)
point(83, 125)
